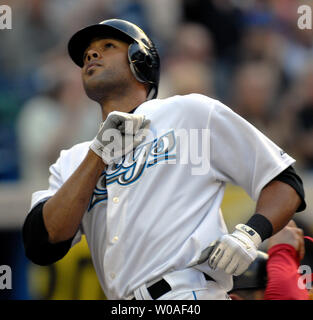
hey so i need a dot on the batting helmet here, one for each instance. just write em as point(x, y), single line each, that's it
point(255, 277)
point(142, 55)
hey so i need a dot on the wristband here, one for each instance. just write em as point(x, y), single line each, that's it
point(261, 225)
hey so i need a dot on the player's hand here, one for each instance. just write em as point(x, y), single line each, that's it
point(292, 235)
point(234, 252)
point(119, 134)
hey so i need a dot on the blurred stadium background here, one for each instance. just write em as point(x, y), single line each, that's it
point(250, 54)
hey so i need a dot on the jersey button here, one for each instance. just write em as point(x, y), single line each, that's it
point(116, 200)
point(115, 239)
point(112, 275)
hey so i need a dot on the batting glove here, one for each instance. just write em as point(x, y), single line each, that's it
point(234, 252)
point(119, 134)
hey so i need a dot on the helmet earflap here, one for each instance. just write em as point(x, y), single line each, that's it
point(144, 64)
point(140, 60)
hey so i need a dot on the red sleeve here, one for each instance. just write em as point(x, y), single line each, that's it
point(282, 272)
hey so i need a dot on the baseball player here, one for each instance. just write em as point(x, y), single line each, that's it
point(153, 224)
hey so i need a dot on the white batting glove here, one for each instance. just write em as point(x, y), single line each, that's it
point(234, 252)
point(119, 134)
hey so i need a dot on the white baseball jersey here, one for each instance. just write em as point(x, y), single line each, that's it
point(159, 207)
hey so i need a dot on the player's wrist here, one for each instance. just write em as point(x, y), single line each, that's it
point(260, 224)
point(95, 159)
point(96, 147)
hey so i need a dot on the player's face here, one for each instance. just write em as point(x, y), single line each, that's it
point(106, 69)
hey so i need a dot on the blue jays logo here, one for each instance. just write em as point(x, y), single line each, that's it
point(132, 166)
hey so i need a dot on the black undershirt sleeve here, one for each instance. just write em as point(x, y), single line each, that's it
point(35, 239)
point(290, 177)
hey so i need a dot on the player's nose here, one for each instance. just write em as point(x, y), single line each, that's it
point(92, 54)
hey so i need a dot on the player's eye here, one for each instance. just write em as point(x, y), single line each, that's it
point(109, 45)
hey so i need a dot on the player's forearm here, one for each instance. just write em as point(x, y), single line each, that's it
point(278, 202)
point(63, 212)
